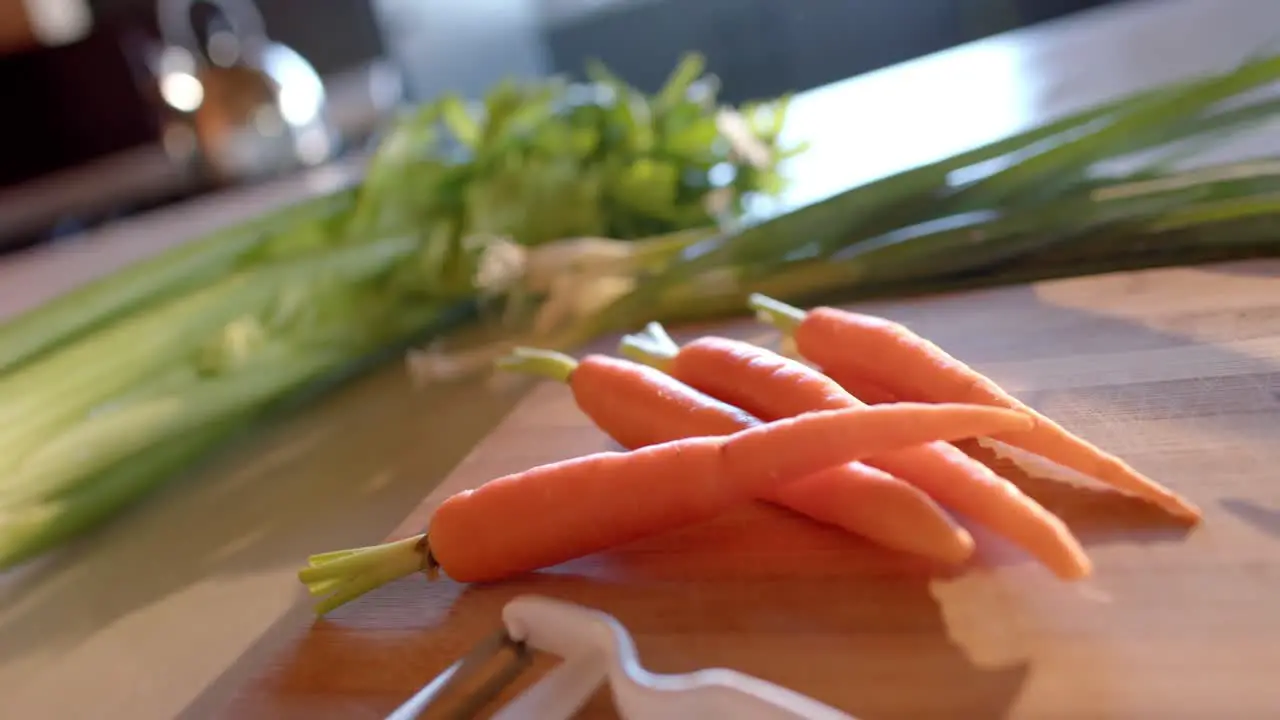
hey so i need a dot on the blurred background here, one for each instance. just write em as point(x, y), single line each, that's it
point(114, 107)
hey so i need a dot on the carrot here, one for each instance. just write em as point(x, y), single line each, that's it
point(770, 386)
point(859, 387)
point(632, 403)
point(908, 366)
point(638, 406)
point(564, 510)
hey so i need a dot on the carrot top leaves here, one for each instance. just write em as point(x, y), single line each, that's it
point(776, 313)
point(658, 335)
point(344, 575)
point(652, 347)
point(542, 363)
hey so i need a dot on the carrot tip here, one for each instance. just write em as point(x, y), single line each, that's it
point(1028, 419)
point(965, 545)
point(957, 551)
point(1182, 508)
point(1082, 570)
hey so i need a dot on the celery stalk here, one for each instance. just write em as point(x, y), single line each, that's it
point(182, 268)
point(135, 441)
point(36, 400)
point(96, 443)
point(28, 531)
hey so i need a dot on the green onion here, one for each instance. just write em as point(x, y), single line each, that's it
point(917, 229)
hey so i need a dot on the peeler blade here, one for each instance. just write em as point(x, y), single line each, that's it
point(471, 683)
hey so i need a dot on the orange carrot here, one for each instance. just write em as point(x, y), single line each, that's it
point(638, 406)
point(557, 512)
point(770, 386)
point(859, 387)
point(632, 403)
point(910, 367)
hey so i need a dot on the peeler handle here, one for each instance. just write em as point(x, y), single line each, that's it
point(715, 693)
point(596, 646)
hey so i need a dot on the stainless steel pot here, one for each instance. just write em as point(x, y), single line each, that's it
point(247, 106)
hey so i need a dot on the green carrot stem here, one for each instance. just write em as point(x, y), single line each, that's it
point(353, 573)
point(324, 587)
point(776, 313)
point(361, 585)
point(542, 363)
point(322, 558)
point(660, 337)
point(643, 350)
point(656, 336)
point(350, 565)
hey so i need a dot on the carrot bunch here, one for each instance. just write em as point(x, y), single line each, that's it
point(859, 438)
point(638, 405)
point(855, 360)
point(886, 360)
point(692, 458)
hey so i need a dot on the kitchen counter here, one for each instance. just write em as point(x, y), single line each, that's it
point(1176, 370)
point(168, 611)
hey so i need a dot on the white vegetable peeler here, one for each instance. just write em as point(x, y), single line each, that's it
point(595, 648)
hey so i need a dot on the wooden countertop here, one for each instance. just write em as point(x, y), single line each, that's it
point(1176, 370)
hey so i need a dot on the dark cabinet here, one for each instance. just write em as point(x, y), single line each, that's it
point(333, 35)
point(829, 40)
point(760, 48)
point(643, 40)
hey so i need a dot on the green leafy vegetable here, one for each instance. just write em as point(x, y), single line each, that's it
point(109, 389)
point(919, 230)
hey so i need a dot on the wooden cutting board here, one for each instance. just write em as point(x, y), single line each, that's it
point(1176, 370)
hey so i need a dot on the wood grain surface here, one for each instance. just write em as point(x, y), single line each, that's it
point(1176, 370)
